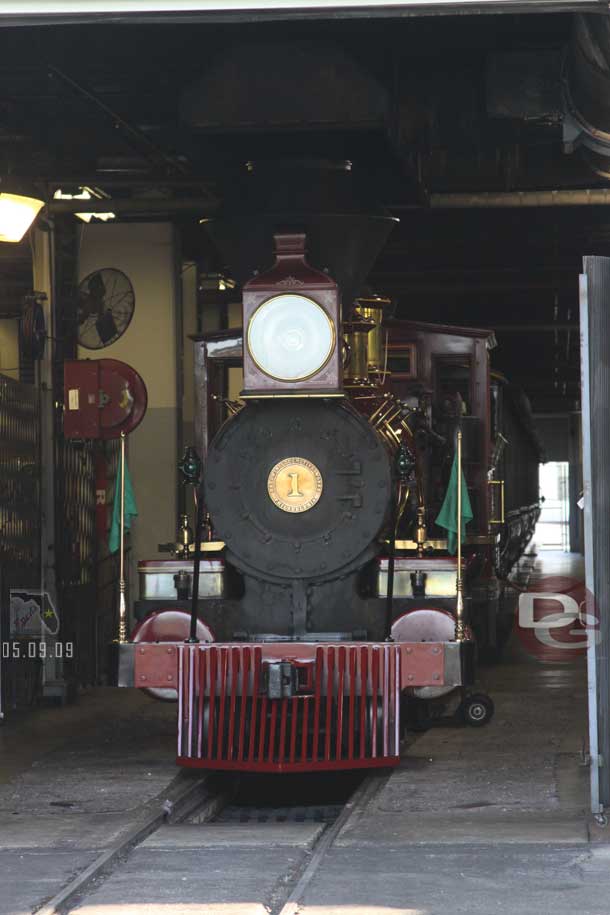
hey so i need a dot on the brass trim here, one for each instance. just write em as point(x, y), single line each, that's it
point(378, 301)
point(302, 473)
point(209, 546)
point(156, 570)
point(499, 483)
point(294, 394)
point(460, 622)
point(372, 308)
point(322, 365)
point(429, 544)
point(472, 540)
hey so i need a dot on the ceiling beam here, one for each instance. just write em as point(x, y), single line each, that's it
point(135, 205)
point(521, 199)
point(533, 328)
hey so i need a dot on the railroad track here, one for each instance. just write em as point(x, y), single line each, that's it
point(253, 802)
point(364, 793)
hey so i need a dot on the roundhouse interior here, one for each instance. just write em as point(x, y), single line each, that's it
point(486, 137)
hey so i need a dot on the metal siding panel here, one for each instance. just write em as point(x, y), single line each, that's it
point(363, 692)
point(219, 709)
point(305, 728)
point(202, 694)
point(180, 700)
point(340, 691)
point(352, 702)
point(595, 309)
point(234, 658)
point(330, 672)
point(244, 701)
point(191, 695)
point(293, 729)
point(255, 701)
point(282, 744)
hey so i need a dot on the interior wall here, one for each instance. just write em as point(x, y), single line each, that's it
point(560, 435)
point(554, 432)
point(146, 253)
point(9, 347)
point(577, 536)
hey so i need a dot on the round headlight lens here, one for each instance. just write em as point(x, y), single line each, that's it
point(290, 337)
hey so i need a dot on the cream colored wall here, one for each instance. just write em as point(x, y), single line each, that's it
point(9, 347)
point(146, 253)
point(234, 314)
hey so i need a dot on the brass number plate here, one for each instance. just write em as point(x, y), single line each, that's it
point(294, 484)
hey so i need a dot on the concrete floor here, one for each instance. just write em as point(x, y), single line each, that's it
point(71, 781)
point(483, 821)
point(520, 778)
point(477, 821)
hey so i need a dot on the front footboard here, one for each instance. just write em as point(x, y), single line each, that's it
point(287, 707)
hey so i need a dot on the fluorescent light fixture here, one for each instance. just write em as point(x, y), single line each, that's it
point(87, 217)
point(85, 193)
point(17, 213)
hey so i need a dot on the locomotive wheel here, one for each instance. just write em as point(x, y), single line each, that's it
point(477, 710)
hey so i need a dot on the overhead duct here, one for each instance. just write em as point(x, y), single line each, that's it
point(570, 86)
point(345, 227)
point(587, 92)
point(262, 84)
point(494, 200)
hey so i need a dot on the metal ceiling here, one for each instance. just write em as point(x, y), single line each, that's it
point(72, 11)
point(435, 131)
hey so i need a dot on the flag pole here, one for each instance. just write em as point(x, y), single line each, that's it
point(460, 629)
point(122, 607)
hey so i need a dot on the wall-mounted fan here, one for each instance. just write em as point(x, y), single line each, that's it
point(106, 303)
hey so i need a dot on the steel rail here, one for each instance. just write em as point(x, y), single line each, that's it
point(357, 803)
point(186, 794)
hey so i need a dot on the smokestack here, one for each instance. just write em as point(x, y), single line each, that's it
point(345, 228)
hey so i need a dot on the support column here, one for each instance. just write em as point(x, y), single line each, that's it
point(53, 683)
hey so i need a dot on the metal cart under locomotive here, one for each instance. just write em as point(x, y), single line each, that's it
point(292, 658)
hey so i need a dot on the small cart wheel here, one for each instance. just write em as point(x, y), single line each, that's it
point(477, 710)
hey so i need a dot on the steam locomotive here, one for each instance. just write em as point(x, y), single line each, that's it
point(316, 594)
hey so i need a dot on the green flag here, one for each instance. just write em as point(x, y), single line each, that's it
point(114, 541)
point(447, 517)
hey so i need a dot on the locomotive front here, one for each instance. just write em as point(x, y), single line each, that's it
point(299, 490)
point(299, 664)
